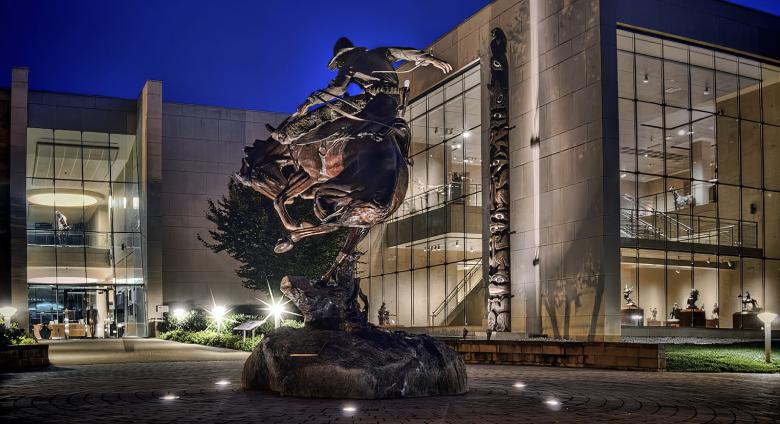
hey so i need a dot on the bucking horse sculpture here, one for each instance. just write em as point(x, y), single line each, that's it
point(350, 155)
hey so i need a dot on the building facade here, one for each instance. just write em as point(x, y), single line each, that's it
point(642, 148)
point(642, 143)
point(106, 199)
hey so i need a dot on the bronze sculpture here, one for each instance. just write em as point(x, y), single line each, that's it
point(383, 315)
point(746, 300)
point(627, 295)
point(675, 314)
point(349, 156)
point(693, 298)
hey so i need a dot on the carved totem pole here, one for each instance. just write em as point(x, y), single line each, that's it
point(499, 293)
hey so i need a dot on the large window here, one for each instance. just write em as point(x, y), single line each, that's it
point(84, 262)
point(699, 147)
point(425, 263)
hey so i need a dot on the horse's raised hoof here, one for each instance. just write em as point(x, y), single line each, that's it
point(283, 245)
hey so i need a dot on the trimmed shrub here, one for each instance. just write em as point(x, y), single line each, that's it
point(14, 335)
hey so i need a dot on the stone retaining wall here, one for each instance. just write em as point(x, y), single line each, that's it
point(19, 358)
point(622, 356)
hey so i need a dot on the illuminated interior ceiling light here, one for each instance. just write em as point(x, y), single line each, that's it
point(62, 198)
point(645, 79)
point(622, 175)
point(681, 132)
point(706, 89)
point(466, 134)
point(62, 280)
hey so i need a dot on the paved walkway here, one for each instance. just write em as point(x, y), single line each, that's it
point(109, 351)
point(209, 392)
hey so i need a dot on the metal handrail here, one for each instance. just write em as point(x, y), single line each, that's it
point(443, 193)
point(709, 230)
point(453, 294)
point(656, 211)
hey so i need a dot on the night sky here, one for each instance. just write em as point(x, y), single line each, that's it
point(265, 55)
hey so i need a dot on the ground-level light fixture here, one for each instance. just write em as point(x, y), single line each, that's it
point(217, 313)
point(349, 408)
point(519, 385)
point(276, 308)
point(222, 383)
point(552, 403)
point(179, 314)
point(767, 318)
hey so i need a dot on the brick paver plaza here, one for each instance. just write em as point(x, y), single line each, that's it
point(191, 391)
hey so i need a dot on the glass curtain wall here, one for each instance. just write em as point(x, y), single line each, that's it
point(84, 262)
point(699, 181)
point(425, 263)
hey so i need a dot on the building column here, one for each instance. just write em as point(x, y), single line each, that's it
point(17, 191)
point(149, 139)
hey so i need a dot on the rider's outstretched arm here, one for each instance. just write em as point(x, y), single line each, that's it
point(420, 57)
point(336, 87)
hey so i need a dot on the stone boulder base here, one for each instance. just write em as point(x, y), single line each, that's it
point(365, 363)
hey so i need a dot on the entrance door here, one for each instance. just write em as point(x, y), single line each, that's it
point(130, 298)
point(69, 311)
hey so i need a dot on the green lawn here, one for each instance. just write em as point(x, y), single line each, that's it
point(721, 358)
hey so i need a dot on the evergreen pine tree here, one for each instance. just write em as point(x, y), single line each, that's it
point(248, 228)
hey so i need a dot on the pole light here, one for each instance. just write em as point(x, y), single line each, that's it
point(767, 318)
point(7, 312)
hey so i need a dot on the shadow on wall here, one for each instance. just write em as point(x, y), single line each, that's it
point(568, 294)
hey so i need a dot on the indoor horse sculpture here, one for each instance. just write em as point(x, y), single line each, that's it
point(349, 156)
point(681, 201)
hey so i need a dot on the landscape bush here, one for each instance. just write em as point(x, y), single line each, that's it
point(14, 335)
point(226, 338)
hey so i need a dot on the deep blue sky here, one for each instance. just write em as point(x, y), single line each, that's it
point(263, 54)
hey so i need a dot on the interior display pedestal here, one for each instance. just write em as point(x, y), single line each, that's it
point(692, 318)
point(633, 316)
point(746, 321)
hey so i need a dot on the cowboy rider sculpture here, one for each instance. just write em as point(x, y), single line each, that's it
point(372, 70)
